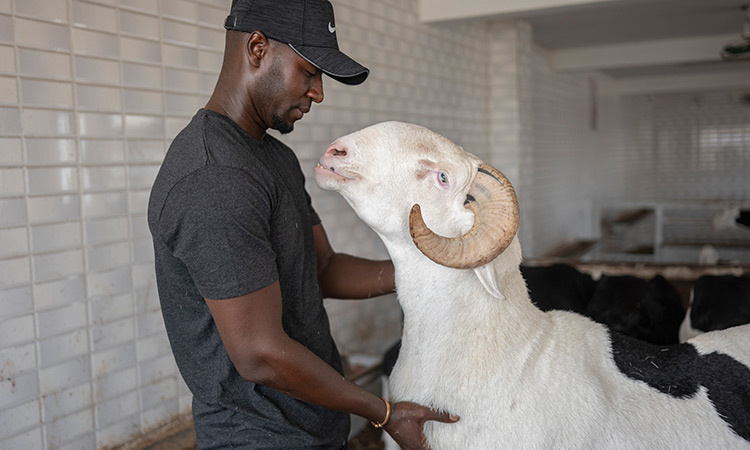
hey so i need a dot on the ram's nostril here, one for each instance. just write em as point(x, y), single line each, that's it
point(336, 149)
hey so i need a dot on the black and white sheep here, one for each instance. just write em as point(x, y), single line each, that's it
point(717, 302)
point(559, 286)
point(473, 343)
point(651, 311)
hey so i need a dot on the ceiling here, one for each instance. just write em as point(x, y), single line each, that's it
point(633, 21)
point(629, 40)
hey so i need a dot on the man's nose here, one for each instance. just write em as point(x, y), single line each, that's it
point(315, 93)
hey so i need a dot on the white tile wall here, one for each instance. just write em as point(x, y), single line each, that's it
point(7, 59)
point(83, 129)
point(149, 6)
point(50, 10)
point(32, 33)
point(53, 208)
point(95, 17)
point(94, 43)
point(59, 292)
point(50, 152)
point(99, 98)
point(11, 181)
point(138, 50)
point(44, 64)
point(13, 242)
point(15, 271)
point(50, 181)
point(12, 153)
point(8, 91)
point(566, 150)
point(15, 420)
point(102, 151)
point(141, 25)
point(10, 121)
point(67, 401)
point(66, 375)
point(100, 125)
point(692, 146)
point(58, 236)
point(93, 70)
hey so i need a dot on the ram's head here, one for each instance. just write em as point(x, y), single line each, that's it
point(399, 177)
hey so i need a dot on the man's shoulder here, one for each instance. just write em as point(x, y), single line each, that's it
point(208, 128)
point(279, 147)
point(283, 154)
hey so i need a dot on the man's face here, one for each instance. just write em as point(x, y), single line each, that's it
point(289, 88)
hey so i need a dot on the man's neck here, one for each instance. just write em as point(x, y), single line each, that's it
point(235, 107)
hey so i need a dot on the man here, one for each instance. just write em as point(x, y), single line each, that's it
point(242, 261)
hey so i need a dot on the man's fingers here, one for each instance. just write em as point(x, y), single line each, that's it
point(422, 413)
point(442, 416)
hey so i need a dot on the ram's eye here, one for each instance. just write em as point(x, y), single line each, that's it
point(442, 179)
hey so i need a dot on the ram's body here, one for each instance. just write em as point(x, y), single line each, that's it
point(474, 345)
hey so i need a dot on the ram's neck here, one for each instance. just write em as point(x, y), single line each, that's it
point(449, 312)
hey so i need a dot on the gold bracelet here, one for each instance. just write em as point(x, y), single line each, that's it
point(387, 415)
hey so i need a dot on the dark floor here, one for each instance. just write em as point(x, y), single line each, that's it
point(368, 439)
point(182, 440)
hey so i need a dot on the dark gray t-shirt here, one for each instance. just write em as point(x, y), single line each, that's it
point(229, 215)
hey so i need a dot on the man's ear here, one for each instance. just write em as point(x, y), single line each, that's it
point(257, 47)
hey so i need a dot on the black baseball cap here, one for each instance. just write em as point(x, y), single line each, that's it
point(308, 26)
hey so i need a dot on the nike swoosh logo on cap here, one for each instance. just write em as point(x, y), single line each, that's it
point(331, 28)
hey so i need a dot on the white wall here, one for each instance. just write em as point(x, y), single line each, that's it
point(576, 154)
point(556, 136)
point(689, 146)
point(510, 107)
point(90, 94)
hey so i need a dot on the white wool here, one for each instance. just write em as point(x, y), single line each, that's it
point(473, 343)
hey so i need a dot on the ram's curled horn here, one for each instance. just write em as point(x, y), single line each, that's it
point(493, 200)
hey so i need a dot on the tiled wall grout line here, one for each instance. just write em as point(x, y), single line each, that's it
point(29, 235)
point(139, 315)
point(94, 377)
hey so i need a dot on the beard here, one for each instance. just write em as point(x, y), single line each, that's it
point(279, 124)
point(269, 88)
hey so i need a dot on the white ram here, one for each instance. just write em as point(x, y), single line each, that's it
point(473, 343)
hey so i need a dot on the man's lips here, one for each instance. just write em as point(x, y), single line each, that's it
point(299, 111)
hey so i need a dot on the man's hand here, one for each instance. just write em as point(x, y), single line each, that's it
point(407, 421)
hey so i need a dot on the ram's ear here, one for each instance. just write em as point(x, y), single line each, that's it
point(488, 277)
point(424, 167)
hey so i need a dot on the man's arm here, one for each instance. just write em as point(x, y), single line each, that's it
point(346, 276)
point(251, 330)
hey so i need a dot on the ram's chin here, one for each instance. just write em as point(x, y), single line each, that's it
point(328, 179)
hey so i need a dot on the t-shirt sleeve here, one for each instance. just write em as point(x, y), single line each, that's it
point(216, 221)
point(314, 218)
point(294, 165)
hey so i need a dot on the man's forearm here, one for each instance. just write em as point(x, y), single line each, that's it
point(291, 368)
point(350, 277)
